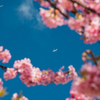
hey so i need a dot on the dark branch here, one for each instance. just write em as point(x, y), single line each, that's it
point(84, 6)
point(85, 55)
point(54, 5)
point(5, 68)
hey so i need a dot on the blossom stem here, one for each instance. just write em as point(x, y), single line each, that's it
point(85, 56)
point(84, 6)
point(54, 5)
point(5, 68)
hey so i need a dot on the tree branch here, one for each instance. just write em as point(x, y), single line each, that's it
point(85, 56)
point(54, 5)
point(84, 6)
point(5, 68)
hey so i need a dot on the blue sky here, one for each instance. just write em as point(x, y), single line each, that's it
point(23, 33)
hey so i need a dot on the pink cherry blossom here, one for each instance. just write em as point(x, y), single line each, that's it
point(75, 24)
point(86, 24)
point(97, 7)
point(10, 73)
point(66, 4)
point(62, 68)
point(72, 71)
point(62, 78)
point(89, 83)
point(51, 19)
point(15, 97)
point(94, 5)
point(23, 64)
point(78, 7)
point(78, 96)
point(1, 84)
point(92, 33)
point(32, 76)
point(45, 4)
point(2, 90)
point(4, 55)
point(1, 48)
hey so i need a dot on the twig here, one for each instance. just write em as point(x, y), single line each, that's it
point(84, 6)
point(54, 5)
point(5, 69)
point(85, 56)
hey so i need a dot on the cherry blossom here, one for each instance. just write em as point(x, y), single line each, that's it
point(92, 30)
point(2, 90)
point(45, 4)
point(32, 76)
point(52, 18)
point(85, 20)
point(4, 55)
point(66, 4)
point(78, 96)
point(10, 73)
point(1, 84)
point(89, 83)
point(1, 48)
point(72, 71)
point(16, 97)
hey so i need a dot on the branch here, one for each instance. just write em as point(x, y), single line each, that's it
point(85, 56)
point(5, 68)
point(54, 5)
point(84, 6)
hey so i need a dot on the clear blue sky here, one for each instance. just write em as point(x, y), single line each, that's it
point(23, 33)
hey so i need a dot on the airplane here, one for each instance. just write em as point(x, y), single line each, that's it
point(54, 50)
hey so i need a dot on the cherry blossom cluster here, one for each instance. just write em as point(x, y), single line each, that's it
point(89, 83)
point(4, 55)
point(78, 96)
point(17, 97)
point(10, 73)
point(1, 84)
point(91, 24)
point(32, 76)
point(92, 29)
point(94, 4)
point(86, 19)
point(52, 18)
point(2, 90)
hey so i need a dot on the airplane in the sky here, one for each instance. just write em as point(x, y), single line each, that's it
point(54, 50)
